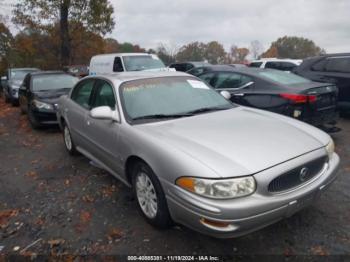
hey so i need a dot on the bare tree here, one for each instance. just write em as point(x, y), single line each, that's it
point(167, 53)
point(256, 49)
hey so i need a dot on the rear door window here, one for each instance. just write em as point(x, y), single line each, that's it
point(255, 64)
point(208, 77)
point(273, 65)
point(319, 66)
point(341, 65)
point(82, 93)
point(228, 80)
point(286, 66)
point(117, 65)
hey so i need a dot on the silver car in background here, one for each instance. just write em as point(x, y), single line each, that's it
point(193, 157)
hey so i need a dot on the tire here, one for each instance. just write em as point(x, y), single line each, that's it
point(32, 120)
point(68, 141)
point(146, 187)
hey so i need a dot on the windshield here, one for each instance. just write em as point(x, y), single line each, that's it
point(169, 96)
point(282, 77)
point(139, 63)
point(20, 74)
point(53, 82)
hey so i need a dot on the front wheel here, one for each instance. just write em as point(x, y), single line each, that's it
point(150, 196)
point(68, 141)
point(32, 120)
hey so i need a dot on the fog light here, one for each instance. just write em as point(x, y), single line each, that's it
point(297, 113)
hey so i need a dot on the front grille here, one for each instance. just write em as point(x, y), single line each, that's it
point(297, 176)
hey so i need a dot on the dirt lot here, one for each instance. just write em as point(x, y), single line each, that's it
point(63, 205)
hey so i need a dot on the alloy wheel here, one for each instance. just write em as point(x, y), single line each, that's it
point(146, 195)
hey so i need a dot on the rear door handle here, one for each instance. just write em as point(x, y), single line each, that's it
point(239, 94)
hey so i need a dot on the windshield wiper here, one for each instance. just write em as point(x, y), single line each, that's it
point(207, 109)
point(162, 116)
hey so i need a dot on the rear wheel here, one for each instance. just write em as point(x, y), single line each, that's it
point(68, 142)
point(150, 197)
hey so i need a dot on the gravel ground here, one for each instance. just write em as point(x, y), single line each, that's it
point(51, 203)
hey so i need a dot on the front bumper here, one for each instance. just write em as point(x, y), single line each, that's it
point(45, 117)
point(254, 212)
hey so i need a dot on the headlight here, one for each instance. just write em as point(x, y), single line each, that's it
point(42, 105)
point(330, 148)
point(219, 189)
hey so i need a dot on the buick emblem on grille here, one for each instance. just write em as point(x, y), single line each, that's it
point(303, 174)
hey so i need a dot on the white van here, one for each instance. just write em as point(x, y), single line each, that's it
point(120, 62)
point(278, 64)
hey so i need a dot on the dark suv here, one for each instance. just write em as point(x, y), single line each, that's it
point(332, 68)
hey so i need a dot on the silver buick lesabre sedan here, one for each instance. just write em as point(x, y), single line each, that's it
point(193, 157)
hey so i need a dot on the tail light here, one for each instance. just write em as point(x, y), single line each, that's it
point(299, 99)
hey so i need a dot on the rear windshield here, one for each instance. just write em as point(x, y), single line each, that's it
point(53, 82)
point(282, 77)
point(139, 63)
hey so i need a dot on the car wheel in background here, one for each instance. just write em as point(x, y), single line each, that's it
point(32, 120)
point(150, 197)
point(68, 141)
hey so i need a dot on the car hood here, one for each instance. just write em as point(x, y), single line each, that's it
point(15, 83)
point(51, 96)
point(236, 142)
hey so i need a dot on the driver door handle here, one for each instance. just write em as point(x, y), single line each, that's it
point(239, 94)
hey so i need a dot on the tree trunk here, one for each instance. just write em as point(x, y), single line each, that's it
point(64, 31)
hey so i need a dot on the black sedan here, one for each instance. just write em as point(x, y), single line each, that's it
point(39, 93)
point(276, 91)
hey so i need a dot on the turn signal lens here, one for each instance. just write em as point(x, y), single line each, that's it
point(330, 148)
point(186, 183)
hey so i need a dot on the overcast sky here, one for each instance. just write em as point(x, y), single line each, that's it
point(176, 22)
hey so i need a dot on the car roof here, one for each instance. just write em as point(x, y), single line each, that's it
point(128, 76)
point(39, 73)
point(336, 54)
point(23, 69)
point(245, 70)
point(124, 54)
point(276, 60)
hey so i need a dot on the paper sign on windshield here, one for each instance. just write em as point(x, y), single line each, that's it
point(197, 84)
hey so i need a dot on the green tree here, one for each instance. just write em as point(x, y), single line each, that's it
point(6, 42)
point(191, 52)
point(94, 15)
point(215, 53)
point(294, 47)
point(237, 54)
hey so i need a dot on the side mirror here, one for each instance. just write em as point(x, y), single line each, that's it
point(226, 94)
point(105, 112)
